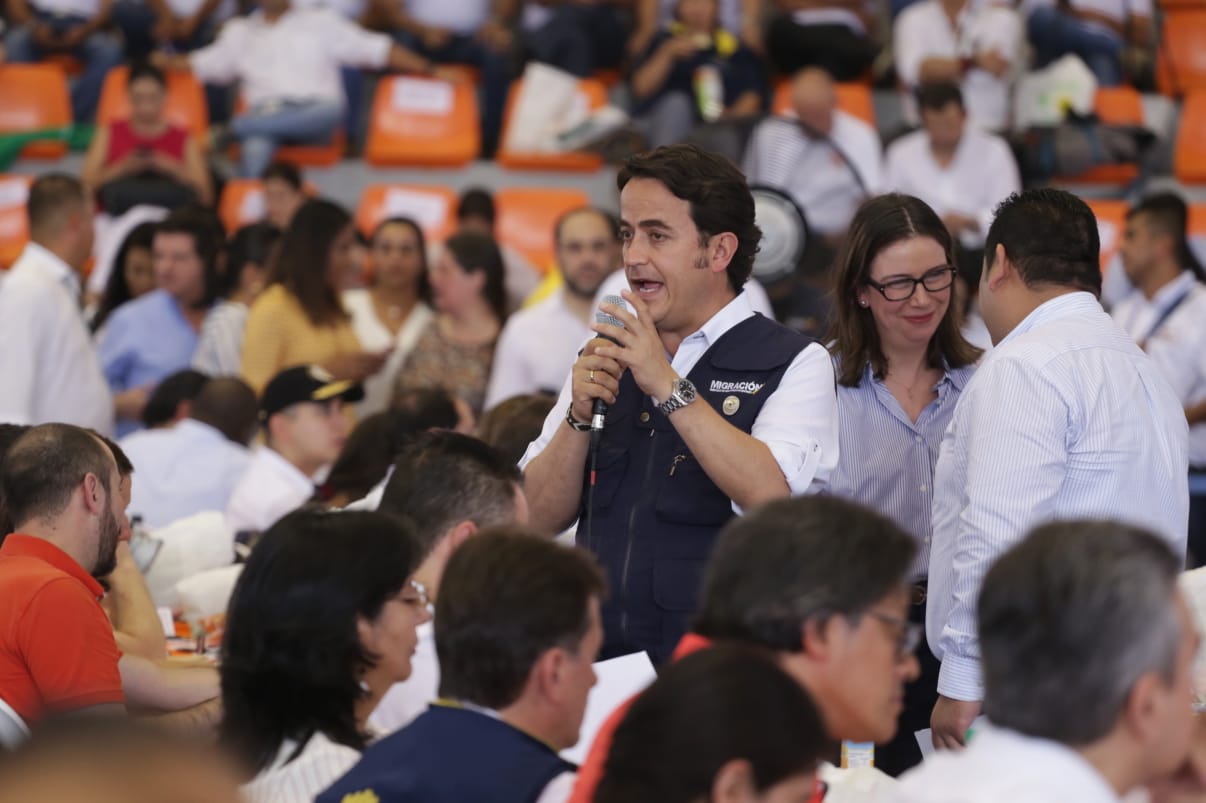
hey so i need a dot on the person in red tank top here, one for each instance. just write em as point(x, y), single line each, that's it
point(821, 581)
point(147, 148)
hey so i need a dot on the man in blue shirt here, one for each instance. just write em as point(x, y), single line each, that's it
point(155, 336)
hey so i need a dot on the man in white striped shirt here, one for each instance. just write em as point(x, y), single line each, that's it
point(1066, 418)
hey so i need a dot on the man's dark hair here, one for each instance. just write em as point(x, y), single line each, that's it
point(1051, 236)
point(508, 596)
point(421, 409)
point(444, 478)
point(717, 192)
point(612, 222)
point(302, 258)
point(51, 197)
point(168, 395)
point(292, 659)
point(793, 560)
point(1167, 213)
point(124, 467)
point(145, 69)
point(937, 95)
point(9, 434)
point(209, 242)
point(476, 202)
point(283, 171)
point(1069, 620)
point(228, 404)
point(44, 467)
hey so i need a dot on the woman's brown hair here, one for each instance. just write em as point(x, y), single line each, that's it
point(303, 259)
point(879, 223)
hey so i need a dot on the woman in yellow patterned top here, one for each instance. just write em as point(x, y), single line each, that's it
point(299, 319)
point(456, 351)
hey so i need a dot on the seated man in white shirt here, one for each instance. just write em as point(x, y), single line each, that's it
point(828, 161)
point(51, 371)
point(977, 44)
point(1087, 648)
point(287, 64)
point(450, 486)
point(538, 345)
point(305, 427)
point(1095, 30)
point(1166, 315)
point(1065, 418)
point(193, 466)
point(959, 170)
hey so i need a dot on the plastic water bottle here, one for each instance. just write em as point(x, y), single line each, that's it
point(709, 92)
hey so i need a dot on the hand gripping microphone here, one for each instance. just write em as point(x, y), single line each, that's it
point(599, 414)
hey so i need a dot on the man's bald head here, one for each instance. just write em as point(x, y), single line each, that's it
point(228, 404)
point(813, 98)
point(44, 467)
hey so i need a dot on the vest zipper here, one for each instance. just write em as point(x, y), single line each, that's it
point(628, 546)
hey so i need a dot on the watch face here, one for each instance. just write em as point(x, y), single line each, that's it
point(686, 390)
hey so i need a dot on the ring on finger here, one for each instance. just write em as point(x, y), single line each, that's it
point(592, 376)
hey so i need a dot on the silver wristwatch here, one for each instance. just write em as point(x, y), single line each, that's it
point(682, 395)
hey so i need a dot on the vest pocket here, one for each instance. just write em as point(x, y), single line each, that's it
point(610, 472)
point(676, 584)
point(688, 495)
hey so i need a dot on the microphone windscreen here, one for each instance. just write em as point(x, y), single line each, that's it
point(607, 317)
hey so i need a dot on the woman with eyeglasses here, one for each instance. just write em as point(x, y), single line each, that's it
point(901, 363)
point(321, 623)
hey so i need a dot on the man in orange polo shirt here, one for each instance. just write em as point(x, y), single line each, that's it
point(57, 651)
point(822, 582)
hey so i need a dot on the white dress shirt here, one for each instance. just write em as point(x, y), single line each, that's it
point(458, 16)
point(780, 155)
point(50, 370)
point(924, 31)
point(982, 173)
point(798, 423)
point(296, 58)
point(406, 700)
point(1065, 418)
point(1003, 766)
point(321, 763)
point(1178, 344)
point(181, 470)
point(220, 344)
point(269, 488)
point(536, 349)
point(376, 336)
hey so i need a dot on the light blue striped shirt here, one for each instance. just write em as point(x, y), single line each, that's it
point(1066, 418)
point(886, 461)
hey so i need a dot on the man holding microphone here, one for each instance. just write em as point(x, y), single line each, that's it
point(711, 408)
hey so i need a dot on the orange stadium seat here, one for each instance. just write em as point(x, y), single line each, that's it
point(185, 104)
point(34, 96)
point(526, 216)
point(1119, 105)
point(1189, 155)
point(594, 94)
point(1197, 220)
point(433, 208)
point(423, 122)
point(853, 98)
point(1111, 221)
point(1181, 58)
point(14, 224)
point(242, 202)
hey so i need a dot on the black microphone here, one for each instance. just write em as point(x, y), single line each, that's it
point(599, 414)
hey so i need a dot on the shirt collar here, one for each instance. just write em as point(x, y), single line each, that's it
point(49, 265)
point(1068, 305)
point(955, 376)
point(729, 316)
point(1171, 292)
point(284, 469)
point(1011, 748)
point(18, 545)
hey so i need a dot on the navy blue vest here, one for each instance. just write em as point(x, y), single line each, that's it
point(451, 755)
point(656, 512)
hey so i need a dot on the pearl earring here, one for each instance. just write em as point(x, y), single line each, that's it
point(862, 302)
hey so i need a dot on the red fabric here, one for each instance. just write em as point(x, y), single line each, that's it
point(57, 651)
point(123, 140)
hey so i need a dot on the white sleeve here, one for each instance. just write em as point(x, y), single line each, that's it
point(21, 321)
point(219, 62)
point(509, 375)
point(894, 172)
point(799, 422)
point(909, 45)
point(869, 158)
point(556, 418)
point(352, 45)
point(1002, 31)
point(558, 789)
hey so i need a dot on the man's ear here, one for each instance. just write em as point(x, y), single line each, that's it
point(734, 782)
point(94, 494)
point(721, 250)
point(1001, 270)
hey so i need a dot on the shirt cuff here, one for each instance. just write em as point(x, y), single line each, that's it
point(959, 678)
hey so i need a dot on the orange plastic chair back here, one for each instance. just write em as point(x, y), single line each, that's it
point(526, 217)
point(591, 92)
point(14, 223)
point(423, 122)
point(853, 98)
point(433, 208)
point(184, 107)
point(1181, 57)
point(34, 96)
point(1189, 155)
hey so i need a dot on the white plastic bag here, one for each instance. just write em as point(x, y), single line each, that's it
point(1044, 97)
